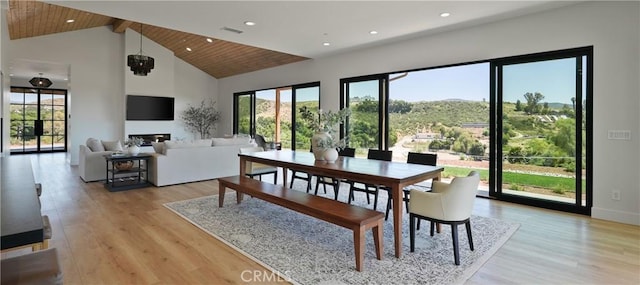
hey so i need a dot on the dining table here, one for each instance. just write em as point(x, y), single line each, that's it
point(20, 207)
point(394, 175)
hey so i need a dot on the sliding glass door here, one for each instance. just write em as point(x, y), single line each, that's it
point(543, 128)
point(366, 126)
point(272, 114)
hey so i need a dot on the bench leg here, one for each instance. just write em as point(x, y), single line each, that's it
point(239, 197)
point(358, 245)
point(377, 239)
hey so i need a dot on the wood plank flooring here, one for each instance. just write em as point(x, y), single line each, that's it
point(130, 238)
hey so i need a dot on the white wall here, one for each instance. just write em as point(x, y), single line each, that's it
point(613, 28)
point(100, 81)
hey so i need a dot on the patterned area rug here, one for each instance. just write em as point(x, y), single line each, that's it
point(305, 250)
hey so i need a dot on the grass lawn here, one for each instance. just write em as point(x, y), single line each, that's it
point(534, 180)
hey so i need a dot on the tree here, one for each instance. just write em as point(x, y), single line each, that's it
point(399, 106)
point(518, 105)
point(533, 100)
point(201, 120)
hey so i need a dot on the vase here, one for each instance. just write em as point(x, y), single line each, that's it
point(330, 155)
point(318, 152)
point(134, 150)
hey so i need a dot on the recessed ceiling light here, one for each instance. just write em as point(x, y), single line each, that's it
point(326, 44)
point(445, 14)
point(249, 23)
point(373, 32)
point(71, 21)
point(188, 49)
point(209, 40)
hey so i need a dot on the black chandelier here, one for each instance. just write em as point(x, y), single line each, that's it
point(41, 82)
point(140, 64)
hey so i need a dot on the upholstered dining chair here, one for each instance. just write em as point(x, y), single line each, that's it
point(415, 158)
point(254, 169)
point(354, 186)
point(334, 182)
point(447, 204)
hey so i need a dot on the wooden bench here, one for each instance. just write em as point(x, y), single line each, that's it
point(357, 219)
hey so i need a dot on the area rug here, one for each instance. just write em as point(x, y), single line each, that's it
point(304, 250)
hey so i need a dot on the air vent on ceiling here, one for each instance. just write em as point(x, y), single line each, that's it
point(232, 30)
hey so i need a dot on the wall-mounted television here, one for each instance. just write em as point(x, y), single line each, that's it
point(149, 108)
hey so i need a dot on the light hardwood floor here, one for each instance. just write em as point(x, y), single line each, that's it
point(130, 238)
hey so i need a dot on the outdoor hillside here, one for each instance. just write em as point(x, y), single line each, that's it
point(428, 113)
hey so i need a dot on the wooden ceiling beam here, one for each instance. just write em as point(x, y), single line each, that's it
point(119, 25)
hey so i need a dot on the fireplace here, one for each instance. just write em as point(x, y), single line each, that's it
point(149, 138)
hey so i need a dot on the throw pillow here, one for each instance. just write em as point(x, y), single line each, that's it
point(112, 145)
point(94, 145)
point(158, 147)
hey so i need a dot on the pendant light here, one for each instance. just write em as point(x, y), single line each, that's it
point(140, 64)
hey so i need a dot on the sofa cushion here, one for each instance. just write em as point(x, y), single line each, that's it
point(230, 141)
point(94, 145)
point(112, 145)
point(187, 144)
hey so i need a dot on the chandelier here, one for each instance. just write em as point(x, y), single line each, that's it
point(140, 64)
point(40, 81)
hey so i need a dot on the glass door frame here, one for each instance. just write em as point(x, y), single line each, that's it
point(252, 95)
point(383, 105)
point(495, 179)
point(39, 122)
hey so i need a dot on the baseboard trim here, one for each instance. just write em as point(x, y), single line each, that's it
point(616, 216)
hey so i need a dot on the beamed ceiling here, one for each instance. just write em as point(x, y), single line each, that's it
point(29, 18)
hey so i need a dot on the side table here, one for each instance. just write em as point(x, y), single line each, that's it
point(119, 179)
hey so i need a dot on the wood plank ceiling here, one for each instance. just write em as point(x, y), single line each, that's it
point(30, 18)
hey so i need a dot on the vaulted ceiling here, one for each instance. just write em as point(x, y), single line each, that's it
point(285, 31)
point(218, 58)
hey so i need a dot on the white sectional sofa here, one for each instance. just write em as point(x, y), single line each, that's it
point(175, 162)
point(91, 164)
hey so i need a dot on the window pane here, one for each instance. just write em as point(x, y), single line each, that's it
point(305, 97)
point(364, 120)
point(539, 130)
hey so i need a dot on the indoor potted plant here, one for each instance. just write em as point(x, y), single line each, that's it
point(323, 124)
point(133, 145)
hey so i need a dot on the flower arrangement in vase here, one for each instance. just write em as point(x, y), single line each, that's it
point(133, 145)
point(323, 124)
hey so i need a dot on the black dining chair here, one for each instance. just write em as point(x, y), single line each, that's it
point(354, 186)
point(414, 158)
point(335, 182)
point(297, 174)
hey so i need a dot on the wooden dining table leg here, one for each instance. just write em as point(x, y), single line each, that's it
point(284, 176)
point(396, 193)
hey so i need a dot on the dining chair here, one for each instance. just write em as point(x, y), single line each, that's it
point(447, 203)
point(259, 139)
point(367, 188)
point(335, 182)
point(254, 169)
point(297, 174)
point(415, 158)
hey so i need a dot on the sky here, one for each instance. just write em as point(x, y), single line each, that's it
point(555, 79)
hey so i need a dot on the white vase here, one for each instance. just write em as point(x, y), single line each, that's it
point(318, 152)
point(330, 155)
point(134, 150)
